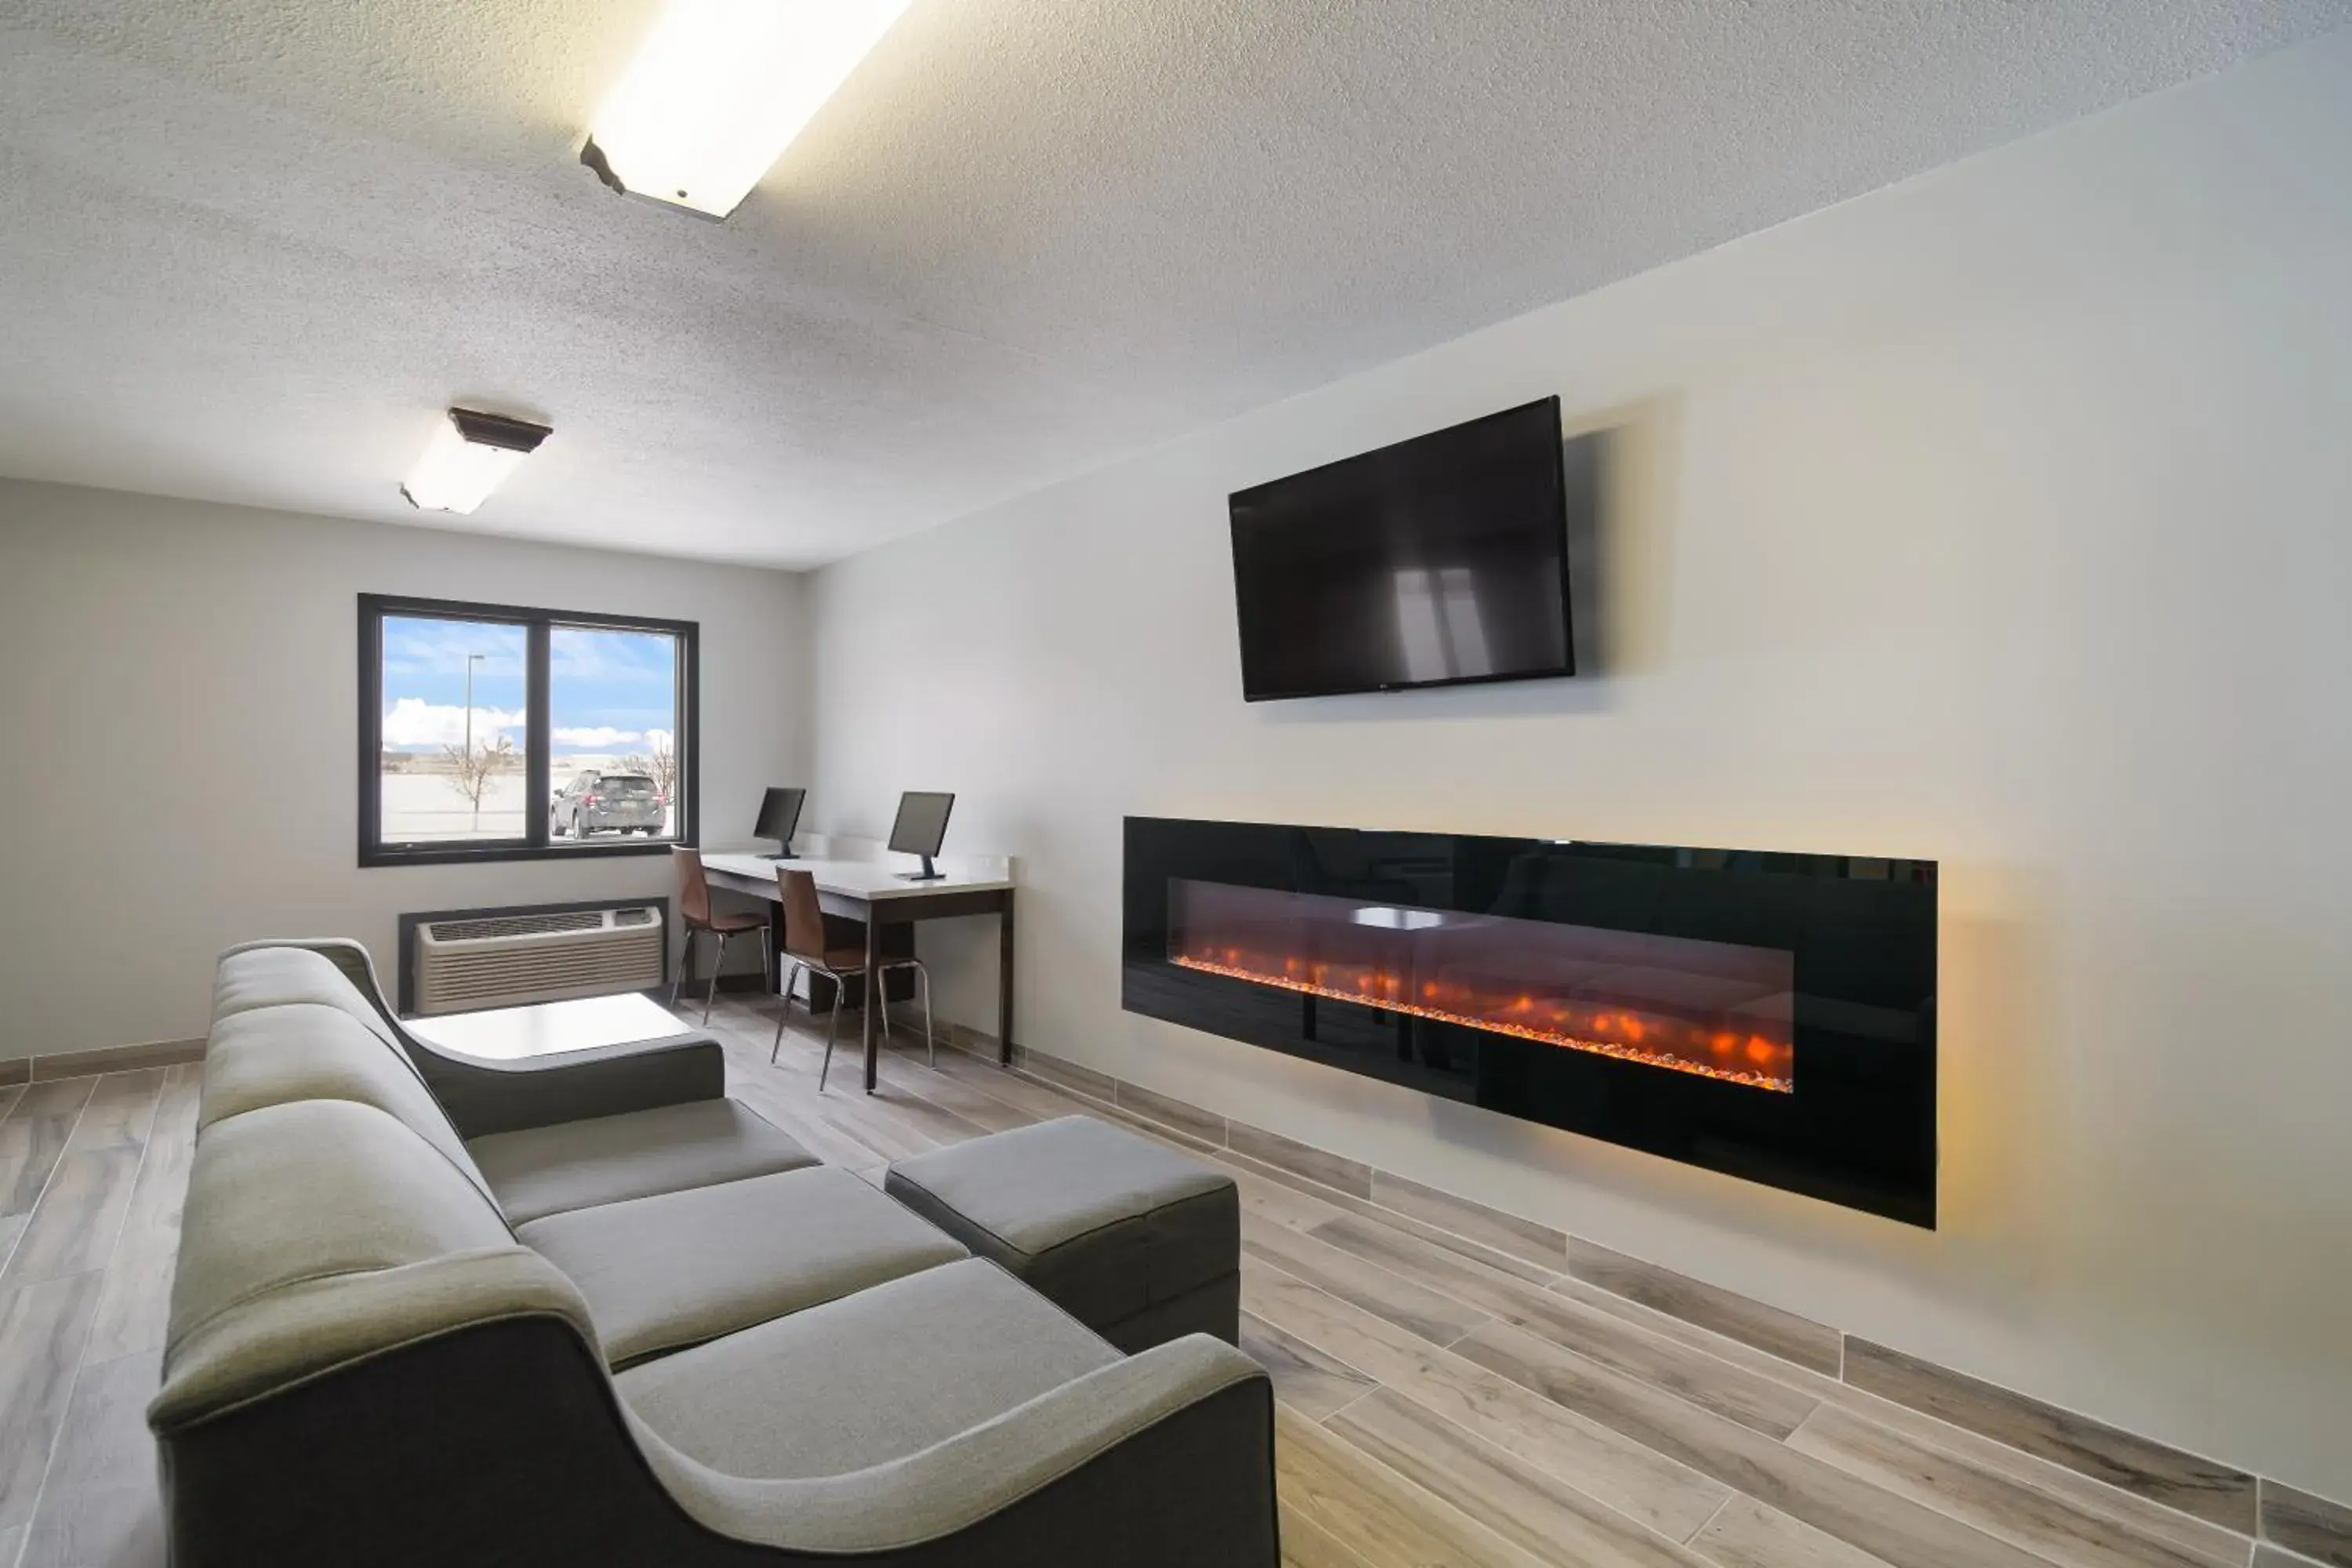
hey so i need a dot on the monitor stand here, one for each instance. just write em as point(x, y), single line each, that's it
point(928, 874)
point(787, 855)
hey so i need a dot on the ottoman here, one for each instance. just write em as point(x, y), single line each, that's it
point(1134, 1240)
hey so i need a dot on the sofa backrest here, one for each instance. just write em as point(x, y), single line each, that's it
point(270, 975)
point(288, 1025)
point(319, 1233)
point(278, 1055)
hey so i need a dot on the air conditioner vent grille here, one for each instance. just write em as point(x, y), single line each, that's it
point(518, 925)
point(510, 959)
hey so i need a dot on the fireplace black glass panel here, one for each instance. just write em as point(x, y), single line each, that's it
point(1767, 1015)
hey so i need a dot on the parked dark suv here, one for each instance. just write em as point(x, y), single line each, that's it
point(596, 802)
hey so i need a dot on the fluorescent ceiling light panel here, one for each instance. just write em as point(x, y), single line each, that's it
point(719, 90)
point(469, 456)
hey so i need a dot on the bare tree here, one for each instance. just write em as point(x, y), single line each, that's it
point(662, 767)
point(472, 771)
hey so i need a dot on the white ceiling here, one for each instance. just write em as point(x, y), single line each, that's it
point(249, 248)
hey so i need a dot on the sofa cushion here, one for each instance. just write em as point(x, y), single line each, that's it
point(276, 976)
point(541, 1170)
point(675, 1270)
point(305, 1050)
point(851, 1384)
point(1108, 1224)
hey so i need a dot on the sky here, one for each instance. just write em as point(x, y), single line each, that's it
point(611, 693)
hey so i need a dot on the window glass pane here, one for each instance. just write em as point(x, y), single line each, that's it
point(455, 705)
point(612, 714)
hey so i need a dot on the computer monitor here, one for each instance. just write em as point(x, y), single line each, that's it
point(780, 817)
point(921, 826)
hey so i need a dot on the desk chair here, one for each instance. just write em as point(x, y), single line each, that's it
point(694, 911)
point(825, 945)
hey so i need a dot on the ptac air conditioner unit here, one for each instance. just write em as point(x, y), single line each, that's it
point(466, 963)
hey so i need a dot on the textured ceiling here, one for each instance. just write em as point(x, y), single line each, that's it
point(248, 248)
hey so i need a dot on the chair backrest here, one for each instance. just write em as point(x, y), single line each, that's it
point(693, 887)
point(804, 915)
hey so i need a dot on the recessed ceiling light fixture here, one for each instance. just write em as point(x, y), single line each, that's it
point(720, 89)
point(468, 456)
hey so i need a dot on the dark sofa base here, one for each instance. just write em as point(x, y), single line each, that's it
point(533, 1468)
point(1212, 1309)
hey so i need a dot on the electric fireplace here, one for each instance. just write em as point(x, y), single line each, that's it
point(1769, 1015)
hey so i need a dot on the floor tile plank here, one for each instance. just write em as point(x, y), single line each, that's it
point(2320, 1529)
point(74, 1227)
point(101, 1507)
point(43, 1328)
point(1539, 1511)
point(1206, 1126)
point(1903, 1532)
point(1416, 1308)
point(1305, 1544)
point(1767, 1328)
point(1304, 1378)
point(1747, 1534)
point(1768, 1406)
point(1300, 1159)
point(2166, 1474)
point(1503, 1232)
point(2183, 1533)
point(32, 1139)
point(1669, 1497)
point(2043, 1524)
point(1383, 1518)
point(134, 1306)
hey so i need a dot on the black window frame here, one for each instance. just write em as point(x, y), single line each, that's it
point(539, 627)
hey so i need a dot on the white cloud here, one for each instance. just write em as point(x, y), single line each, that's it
point(412, 722)
point(597, 735)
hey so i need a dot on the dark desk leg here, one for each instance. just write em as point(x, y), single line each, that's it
point(1004, 983)
point(873, 1000)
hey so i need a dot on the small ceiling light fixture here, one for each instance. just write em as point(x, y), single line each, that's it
point(720, 89)
point(469, 456)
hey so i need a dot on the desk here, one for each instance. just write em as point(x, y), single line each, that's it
point(872, 891)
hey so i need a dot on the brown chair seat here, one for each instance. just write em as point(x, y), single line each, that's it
point(694, 913)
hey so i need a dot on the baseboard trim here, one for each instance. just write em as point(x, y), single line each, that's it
point(43, 1067)
point(2141, 1469)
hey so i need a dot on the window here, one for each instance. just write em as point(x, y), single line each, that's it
point(493, 732)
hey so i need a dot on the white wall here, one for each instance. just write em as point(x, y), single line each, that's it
point(177, 683)
point(2004, 517)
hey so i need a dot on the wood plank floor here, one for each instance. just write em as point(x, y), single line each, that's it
point(1455, 1391)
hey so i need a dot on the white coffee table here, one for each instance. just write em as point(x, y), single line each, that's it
point(591, 1025)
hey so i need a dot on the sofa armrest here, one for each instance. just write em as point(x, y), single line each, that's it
point(483, 1098)
point(1161, 1460)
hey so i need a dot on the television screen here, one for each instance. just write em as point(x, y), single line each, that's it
point(1436, 561)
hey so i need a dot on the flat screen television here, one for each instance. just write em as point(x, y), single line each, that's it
point(1436, 562)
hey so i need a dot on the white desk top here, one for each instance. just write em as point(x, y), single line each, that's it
point(868, 878)
point(549, 1028)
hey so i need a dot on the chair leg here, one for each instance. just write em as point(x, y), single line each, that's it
point(791, 976)
point(832, 1027)
point(930, 1040)
point(717, 965)
point(685, 963)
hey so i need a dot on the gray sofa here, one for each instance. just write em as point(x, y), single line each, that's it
point(430, 1311)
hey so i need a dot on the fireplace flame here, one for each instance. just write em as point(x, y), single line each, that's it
point(1754, 1059)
